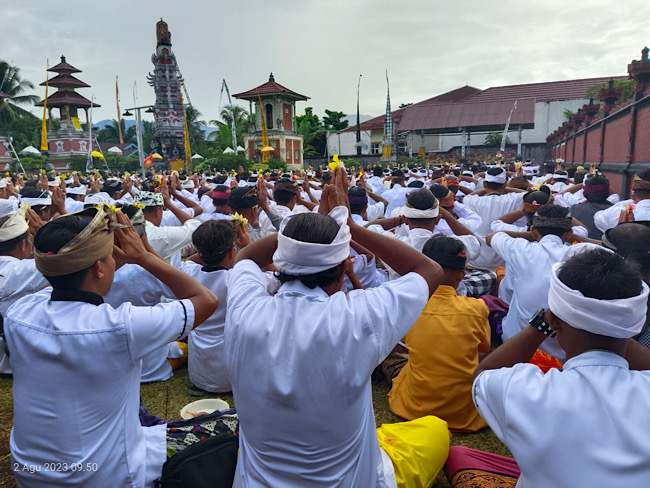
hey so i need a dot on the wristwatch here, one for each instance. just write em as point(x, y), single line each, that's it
point(537, 321)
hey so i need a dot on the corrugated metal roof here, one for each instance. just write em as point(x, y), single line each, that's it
point(449, 117)
point(542, 92)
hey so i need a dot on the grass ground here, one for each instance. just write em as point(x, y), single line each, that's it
point(166, 399)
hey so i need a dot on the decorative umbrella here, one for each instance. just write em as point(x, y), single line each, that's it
point(228, 150)
point(156, 156)
point(268, 149)
point(97, 154)
point(240, 149)
point(197, 156)
point(30, 151)
point(115, 151)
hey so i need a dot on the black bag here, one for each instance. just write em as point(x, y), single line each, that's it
point(209, 463)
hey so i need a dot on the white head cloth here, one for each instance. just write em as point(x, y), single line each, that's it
point(55, 182)
point(76, 190)
point(560, 176)
point(37, 201)
point(621, 318)
point(500, 178)
point(149, 199)
point(468, 173)
point(98, 198)
point(3, 183)
point(299, 258)
point(16, 226)
point(415, 213)
point(69, 181)
point(188, 184)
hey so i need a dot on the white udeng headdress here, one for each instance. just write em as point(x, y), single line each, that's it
point(299, 258)
point(14, 227)
point(500, 178)
point(621, 318)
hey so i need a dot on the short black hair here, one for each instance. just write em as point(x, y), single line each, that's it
point(214, 239)
point(442, 244)
point(315, 228)
point(7, 247)
point(416, 184)
point(602, 275)
point(220, 180)
point(56, 234)
point(220, 202)
point(439, 191)
point(632, 241)
point(377, 171)
point(357, 191)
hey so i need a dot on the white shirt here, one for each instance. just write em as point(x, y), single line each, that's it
point(608, 218)
point(18, 278)
point(570, 199)
point(8, 205)
point(72, 205)
point(76, 389)
point(530, 265)
point(377, 185)
point(282, 211)
point(170, 220)
point(585, 425)
point(301, 377)
point(374, 210)
point(137, 286)
point(466, 216)
point(490, 208)
point(396, 197)
point(167, 241)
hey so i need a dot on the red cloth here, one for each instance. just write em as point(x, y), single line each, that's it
point(467, 468)
point(545, 361)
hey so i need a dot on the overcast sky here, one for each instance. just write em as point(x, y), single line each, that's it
point(319, 47)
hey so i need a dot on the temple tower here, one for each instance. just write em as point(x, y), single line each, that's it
point(70, 139)
point(168, 109)
point(279, 107)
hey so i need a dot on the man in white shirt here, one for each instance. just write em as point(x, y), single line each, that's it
point(305, 369)
point(376, 181)
point(529, 258)
point(584, 425)
point(462, 213)
point(638, 206)
point(83, 356)
point(396, 196)
point(18, 274)
point(494, 200)
point(286, 194)
point(169, 240)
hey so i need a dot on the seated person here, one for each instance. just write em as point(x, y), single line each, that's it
point(443, 348)
point(300, 361)
point(585, 425)
point(76, 361)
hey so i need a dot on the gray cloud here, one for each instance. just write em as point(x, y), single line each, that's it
point(318, 48)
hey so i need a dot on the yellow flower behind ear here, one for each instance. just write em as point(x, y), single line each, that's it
point(26, 206)
point(139, 205)
point(240, 218)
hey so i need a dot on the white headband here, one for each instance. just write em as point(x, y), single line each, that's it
point(188, 184)
point(468, 173)
point(16, 226)
point(55, 182)
point(3, 183)
point(500, 178)
point(37, 201)
point(621, 318)
point(299, 258)
point(416, 213)
point(76, 190)
point(559, 176)
point(97, 198)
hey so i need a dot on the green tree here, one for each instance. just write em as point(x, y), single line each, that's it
point(242, 119)
point(332, 120)
point(110, 133)
point(626, 85)
point(15, 87)
point(494, 139)
point(568, 114)
point(308, 124)
point(196, 134)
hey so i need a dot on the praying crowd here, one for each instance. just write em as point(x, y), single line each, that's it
point(505, 296)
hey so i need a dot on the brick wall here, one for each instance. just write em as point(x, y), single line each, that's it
point(642, 138)
point(616, 139)
point(593, 144)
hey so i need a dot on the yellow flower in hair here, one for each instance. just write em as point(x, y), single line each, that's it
point(240, 218)
point(26, 206)
point(43, 172)
point(139, 205)
point(174, 173)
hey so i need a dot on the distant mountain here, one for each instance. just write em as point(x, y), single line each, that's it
point(129, 123)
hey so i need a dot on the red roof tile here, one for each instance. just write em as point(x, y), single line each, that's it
point(64, 67)
point(449, 117)
point(66, 80)
point(542, 92)
point(63, 98)
point(269, 88)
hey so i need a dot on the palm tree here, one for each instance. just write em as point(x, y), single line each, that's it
point(242, 119)
point(14, 87)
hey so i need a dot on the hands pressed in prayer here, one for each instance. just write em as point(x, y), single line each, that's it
point(627, 214)
point(94, 186)
point(164, 190)
point(175, 183)
point(128, 247)
point(58, 200)
point(34, 221)
point(263, 194)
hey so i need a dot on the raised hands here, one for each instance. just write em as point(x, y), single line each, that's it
point(128, 247)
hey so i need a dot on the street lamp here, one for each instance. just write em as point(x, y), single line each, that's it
point(358, 122)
